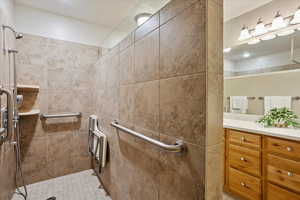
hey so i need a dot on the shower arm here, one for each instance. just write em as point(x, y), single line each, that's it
point(8, 125)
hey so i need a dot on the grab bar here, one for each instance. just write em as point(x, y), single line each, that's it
point(8, 119)
point(46, 116)
point(177, 147)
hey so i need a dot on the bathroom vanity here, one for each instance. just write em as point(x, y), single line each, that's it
point(261, 163)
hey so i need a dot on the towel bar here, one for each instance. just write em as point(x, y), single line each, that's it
point(293, 98)
point(249, 98)
point(45, 116)
point(177, 147)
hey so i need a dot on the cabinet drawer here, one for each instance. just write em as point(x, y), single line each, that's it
point(277, 193)
point(284, 172)
point(245, 185)
point(246, 160)
point(283, 147)
point(244, 139)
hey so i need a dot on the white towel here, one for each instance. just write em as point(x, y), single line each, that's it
point(277, 102)
point(239, 104)
point(96, 150)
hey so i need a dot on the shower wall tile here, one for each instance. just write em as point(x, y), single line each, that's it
point(183, 53)
point(146, 64)
point(146, 110)
point(127, 67)
point(27, 75)
point(182, 176)
point(167, 99)
point(126, 102)
point(182, 113)
point(66, 74)
point(147, 27)
point(173, 9)
point(34, 149)
point(128, 41)
point(35, 171)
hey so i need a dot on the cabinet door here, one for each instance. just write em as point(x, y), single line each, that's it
point(244, 159)
point(244, 139)
point(277, 193)
point(245, 185)
point(284, 172)
point(283, 147)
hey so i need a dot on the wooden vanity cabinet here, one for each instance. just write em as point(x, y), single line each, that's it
point(259, 167)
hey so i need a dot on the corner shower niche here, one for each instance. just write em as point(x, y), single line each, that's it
point(28, 106)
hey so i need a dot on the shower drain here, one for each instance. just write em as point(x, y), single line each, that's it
point(51, 198)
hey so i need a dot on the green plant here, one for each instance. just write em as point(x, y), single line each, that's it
point(280, 117)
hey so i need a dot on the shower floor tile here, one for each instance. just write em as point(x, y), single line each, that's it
point(79, 186)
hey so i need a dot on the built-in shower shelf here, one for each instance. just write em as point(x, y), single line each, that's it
point(28, 88)
point(30, 113)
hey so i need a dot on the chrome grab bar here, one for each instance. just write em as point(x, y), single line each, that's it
point(177, 147)
point(9, 119)
point(46, 116)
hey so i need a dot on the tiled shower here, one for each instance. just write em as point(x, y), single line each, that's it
point(165, 80)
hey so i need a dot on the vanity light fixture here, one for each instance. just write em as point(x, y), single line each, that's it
point(142, 18)
point(227, 50)
point(278, 22)
point(296, 18)
point(246, 55)
point(285, 33)
point(245, 34)
point(260, 28)
point(254, 41)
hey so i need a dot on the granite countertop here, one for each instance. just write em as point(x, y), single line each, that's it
point(253, 127)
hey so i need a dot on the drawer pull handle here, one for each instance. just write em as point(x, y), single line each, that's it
point(289, 149)
point(243, 159)
point(243, 184)
point(290, 174)
point(243, 139)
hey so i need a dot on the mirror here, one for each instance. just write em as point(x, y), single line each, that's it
point(268, 68)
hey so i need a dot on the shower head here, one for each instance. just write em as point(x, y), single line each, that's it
point(19, 36)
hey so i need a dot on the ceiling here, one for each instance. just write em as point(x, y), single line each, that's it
point(235, 8)
point(107, 13)
point(117, 16)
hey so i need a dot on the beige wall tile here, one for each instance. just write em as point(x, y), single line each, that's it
point(147, 27)
point(184, 52)
point(182, 176)
point(127, 66)
point(173, 9)
point(146, 110)
point(146, 54)
point(182, 108)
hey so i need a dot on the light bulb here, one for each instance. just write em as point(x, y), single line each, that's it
point(285, 33)
point(278, 22)
point(142, 18)
point(246, 55)
point(227, 50)
point(260, 28)
point(268, 37)
point(244, 34)
point(296, 18)
point(254, 41)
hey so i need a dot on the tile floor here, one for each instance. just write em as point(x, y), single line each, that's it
point(79, 186)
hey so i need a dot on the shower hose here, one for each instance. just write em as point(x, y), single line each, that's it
point(19, 164)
